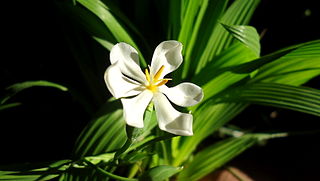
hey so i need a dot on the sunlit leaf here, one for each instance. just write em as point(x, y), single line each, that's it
point(29, 172)
point(207, 118)
point(188, 21)
point(160, 173)
point(220, 74)
point(118, 31)
point(104, 134)
point(279, 95)
point(239, 13)
point(16, 88)
point(214, 156)
point(206, 20)
point(247, 35)
point(294, 68)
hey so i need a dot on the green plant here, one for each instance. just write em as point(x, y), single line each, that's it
point(221, 54)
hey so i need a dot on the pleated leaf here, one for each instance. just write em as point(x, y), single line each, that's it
point(294, 68)
point(117, 30)
point(160, 173)
point(105, 134)
point(174, 20)
point(212, 114)
point(239, 13)
point(220, 74)
point(247, 35)
point(207, 119)
point(188, 22)
point(214, 157)
point(301, 99)
point(16, 88)
point(33, 172)
point(207, 18)
point(89, 22)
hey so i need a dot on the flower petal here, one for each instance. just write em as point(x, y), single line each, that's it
point(167, 54)
point(128, 61)
point(134, 108)
point(185, 94)
point(118, 84)
point(171, 120)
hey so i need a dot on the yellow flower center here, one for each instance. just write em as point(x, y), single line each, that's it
point(154, 82)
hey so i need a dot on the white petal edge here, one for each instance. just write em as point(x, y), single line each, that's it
point(167, 54)
point(171, 120)
point(128, 61)
point(119, 85)
point(184, 95)
point(134, 108)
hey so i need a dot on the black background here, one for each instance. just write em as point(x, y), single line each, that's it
point(46, 125)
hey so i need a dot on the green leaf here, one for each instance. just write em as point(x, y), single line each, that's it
point(16, 88)
point(239, 13)
point(174, 20)
point(116, 29)
point(105, 133)
point(133, 158)
point(105, 157)
point(89, 22)
point(160, 173)
point(214, 156)
point(208, 118)
point(7, 106)
point(247, 35)
point(188, 21)
point(212, 114)
point(12, 177)
point(205, 21)
point(27, 172)
point(294, 68)
point(279, 95)
point(107, 44)
point(106, 174)
point(254, 65)
point(220, 74)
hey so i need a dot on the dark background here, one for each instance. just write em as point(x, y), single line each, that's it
point(46, 125)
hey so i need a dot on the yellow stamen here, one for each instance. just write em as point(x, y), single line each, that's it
point(163, 81)
point(158, 74)
point(152, 88)
point(147, 75)
point(154, 82)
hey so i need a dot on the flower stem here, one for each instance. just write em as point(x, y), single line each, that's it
point(117, 177)
point(129, 130)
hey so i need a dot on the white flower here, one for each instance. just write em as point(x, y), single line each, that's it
point(136, 89)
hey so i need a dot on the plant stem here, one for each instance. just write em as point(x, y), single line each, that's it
point(117, 177)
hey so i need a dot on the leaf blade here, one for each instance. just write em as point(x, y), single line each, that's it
point(279, 95)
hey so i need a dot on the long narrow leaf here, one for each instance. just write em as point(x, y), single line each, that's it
point(295, 68)
point(117, 30)
point(239, 13)
point(16, 88)
point(207, 119)
point(206, 21)
point(220, 74)
point(104, 134)
point(279, 95)
point(215, 156)
point(89, 22)
point(247, 35)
